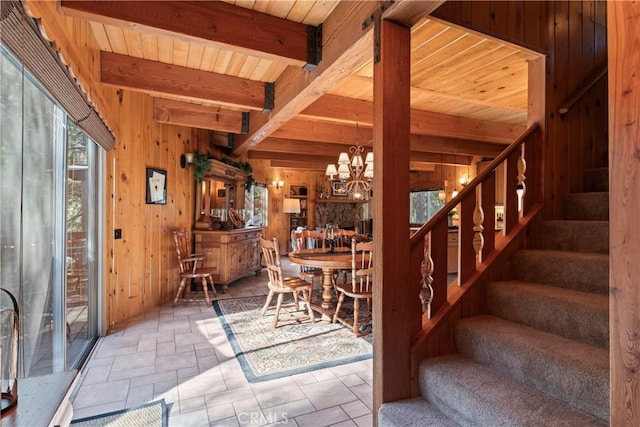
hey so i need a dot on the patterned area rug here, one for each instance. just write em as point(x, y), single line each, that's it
point(152, 414)
point(266, 353)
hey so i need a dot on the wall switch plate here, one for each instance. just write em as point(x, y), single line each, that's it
point(117, 233)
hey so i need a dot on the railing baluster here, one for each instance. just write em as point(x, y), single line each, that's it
point(467, 261)
point(489, 208)
point(426, 270)
point(511, 199)
point(478, 228)
point(521, 187)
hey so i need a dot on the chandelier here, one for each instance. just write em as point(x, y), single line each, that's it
point(355, 175)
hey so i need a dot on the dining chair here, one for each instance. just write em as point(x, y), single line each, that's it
point(191, 268)
point(360, 287)
point(344, 241)
point(278, 284)
point(309, 239)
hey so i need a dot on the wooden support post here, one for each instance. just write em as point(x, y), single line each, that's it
point(396, 313)
point(624, 212)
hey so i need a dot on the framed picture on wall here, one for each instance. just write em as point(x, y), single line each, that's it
point(156, 186)
point(338, 189)
point(221, 192)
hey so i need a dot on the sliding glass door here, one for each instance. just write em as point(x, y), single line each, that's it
point(43, 205)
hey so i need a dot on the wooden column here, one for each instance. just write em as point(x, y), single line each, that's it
point(396, 303)
point(624, 212)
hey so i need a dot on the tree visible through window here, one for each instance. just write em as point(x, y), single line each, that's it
point(423, 205)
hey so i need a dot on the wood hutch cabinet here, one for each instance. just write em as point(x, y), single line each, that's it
point(232, 252)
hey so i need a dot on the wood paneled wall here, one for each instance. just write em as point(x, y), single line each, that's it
point(141, 268)
point(624, 213)
point(573, 35)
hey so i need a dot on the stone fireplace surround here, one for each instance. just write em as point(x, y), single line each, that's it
point(347, 214)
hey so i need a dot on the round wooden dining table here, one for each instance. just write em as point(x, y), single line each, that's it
point(329, 263)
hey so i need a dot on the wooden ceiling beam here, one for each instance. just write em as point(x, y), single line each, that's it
point(422, 122)
point(346, 45)
point(291, 164)
point(199, 116)
point(296, 157)
point(211, 23)
point(337, 133)
point(330, 152)
point(157, 78)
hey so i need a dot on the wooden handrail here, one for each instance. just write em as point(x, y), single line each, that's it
point(442, 213)
point(589, 83)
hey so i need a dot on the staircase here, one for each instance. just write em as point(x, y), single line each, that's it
point(539, 355)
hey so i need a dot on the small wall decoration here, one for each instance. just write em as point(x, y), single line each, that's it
point(156, 186)
point(339, 189)
point(221, 192)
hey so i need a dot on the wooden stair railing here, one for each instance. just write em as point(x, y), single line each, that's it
point(584, 88)
point(479, 244)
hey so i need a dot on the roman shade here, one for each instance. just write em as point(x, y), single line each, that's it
point(20, 34)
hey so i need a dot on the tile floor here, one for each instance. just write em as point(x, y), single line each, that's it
point(181, 354)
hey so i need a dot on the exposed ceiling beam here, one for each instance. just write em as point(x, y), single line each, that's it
point(291, 164)
point(337, 133)
point(157, 78)
point(422, 122)
point(212, 23)
point(297, 157)
point(345, 47)
point(420, 166)
point(199, 116)
point(324, 149)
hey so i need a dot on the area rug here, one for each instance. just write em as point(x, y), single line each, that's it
point(266, 353)
point(153, 414)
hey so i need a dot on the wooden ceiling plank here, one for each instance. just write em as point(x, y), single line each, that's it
point(150, 47)
point(101, 36)
point(422, 122)
point(149, 76)
point(197, 116)
point(345, 47)
point(205, 22)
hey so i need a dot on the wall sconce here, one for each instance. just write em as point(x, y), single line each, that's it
point(464, 180)
point(278, 184)
point(442, 194)
point(185, 160)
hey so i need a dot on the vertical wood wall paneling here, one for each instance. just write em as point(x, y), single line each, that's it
point(555, 28)
point(392, 361)
point(624, 211)
point(574, 125)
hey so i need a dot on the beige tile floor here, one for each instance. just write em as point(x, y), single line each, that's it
point(181, 354)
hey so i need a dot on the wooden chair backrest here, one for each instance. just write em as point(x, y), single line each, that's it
point(271, 256)
point(309, 239)
point(361, 269)
point(181, 241)
point(345, 237)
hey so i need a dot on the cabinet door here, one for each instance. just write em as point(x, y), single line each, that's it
point(235, 255)
point(253, 255)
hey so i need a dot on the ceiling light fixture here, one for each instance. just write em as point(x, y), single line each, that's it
point(355, 174)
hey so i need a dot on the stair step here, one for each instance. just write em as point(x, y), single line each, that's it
point(575, 373)
point(476, 395)
point(581, 236)
point(412, 412)
point(579, 316)
point(596, 179)
point(587, 206)
point(587, 272)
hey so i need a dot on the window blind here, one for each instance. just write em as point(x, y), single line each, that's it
point(20, 34)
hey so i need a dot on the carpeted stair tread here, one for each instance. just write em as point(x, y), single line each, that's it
point(575, 373)
point(596, 179)
point(412, 412)
point(577, 236)
point(473, 394)
point(575, 315)
point(582, 271)
point(593, 206)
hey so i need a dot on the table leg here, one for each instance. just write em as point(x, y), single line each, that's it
point(328, 308)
